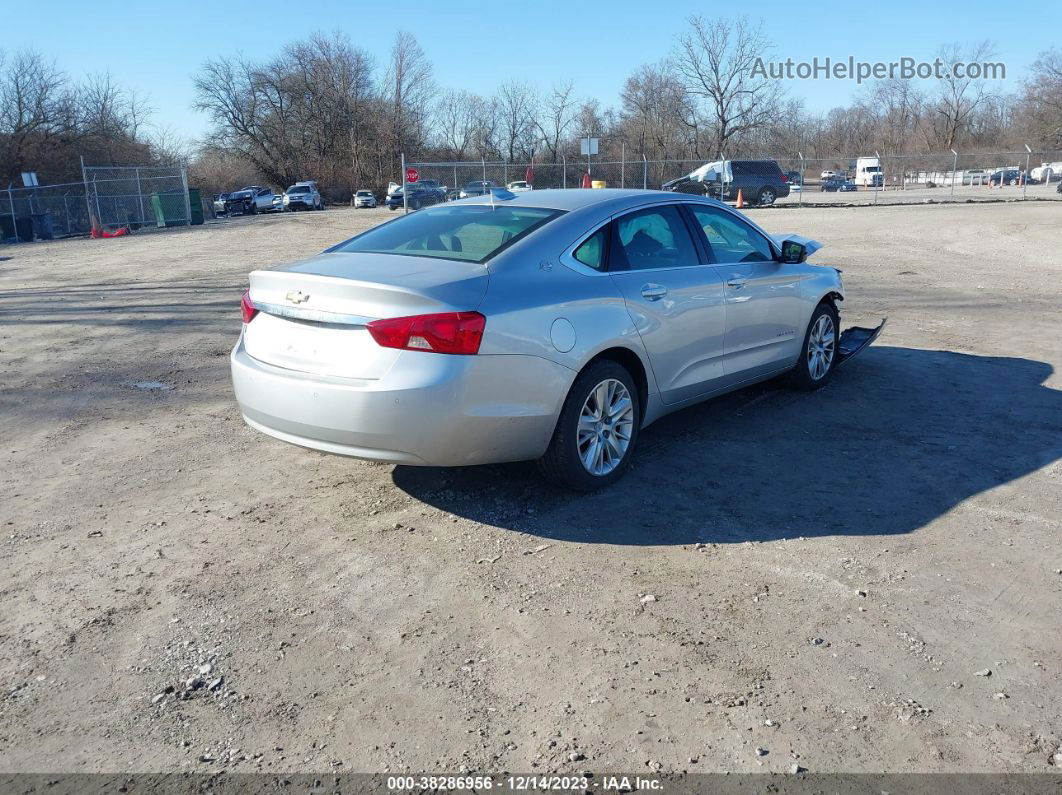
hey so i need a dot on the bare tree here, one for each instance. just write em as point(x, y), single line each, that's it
point(556, 117)
point(516, 105)
point(717, 60)
point(35, 109)
point(407, 88)
point(1041, 100)
point(657, 113)
point(958, 96)
point(898, 106)
point(458, 118)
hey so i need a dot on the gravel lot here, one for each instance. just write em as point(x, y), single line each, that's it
point(861, 579)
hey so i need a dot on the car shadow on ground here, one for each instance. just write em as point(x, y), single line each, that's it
point(900, 437)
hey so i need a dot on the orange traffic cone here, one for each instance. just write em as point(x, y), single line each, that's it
point(741, 199)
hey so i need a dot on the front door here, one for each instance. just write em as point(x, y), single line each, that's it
point(764, 310)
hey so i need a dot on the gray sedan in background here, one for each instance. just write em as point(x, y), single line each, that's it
point(551, 325)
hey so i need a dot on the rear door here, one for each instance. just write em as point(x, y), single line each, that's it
point(674, 298)
point(764, 311)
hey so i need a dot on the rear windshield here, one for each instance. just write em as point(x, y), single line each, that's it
point(471, 233)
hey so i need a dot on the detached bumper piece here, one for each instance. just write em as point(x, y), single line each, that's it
point(855, 340)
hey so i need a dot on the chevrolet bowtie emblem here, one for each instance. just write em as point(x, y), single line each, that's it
point(297, 297)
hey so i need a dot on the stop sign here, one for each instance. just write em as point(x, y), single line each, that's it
point(412, 175)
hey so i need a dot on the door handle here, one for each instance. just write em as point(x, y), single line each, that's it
point(653, 291)
point(737, 284)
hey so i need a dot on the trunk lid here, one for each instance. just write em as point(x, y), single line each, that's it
point(312, 315)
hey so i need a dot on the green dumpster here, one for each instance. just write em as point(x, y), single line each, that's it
point(169, 208)
point(195, 200)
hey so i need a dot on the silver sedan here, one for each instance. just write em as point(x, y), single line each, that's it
point(549, 325)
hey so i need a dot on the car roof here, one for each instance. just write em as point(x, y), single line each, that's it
point(569, 199)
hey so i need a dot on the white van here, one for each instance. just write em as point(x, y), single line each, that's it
point(1045, 172)
point(868, 172)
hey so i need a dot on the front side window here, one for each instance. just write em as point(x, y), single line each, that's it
point(470, 233)
point(653, 238)
point(731, 239)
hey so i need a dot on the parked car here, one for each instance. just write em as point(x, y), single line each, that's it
point(219, 203)
point(975, 176)
point(421, 194)
point(440, 339)
point(278, 203)
point(827, 174)
point(836, 183)
point(519, 186)
point(250, 200)
point(364, 198)
point(760, 182)
point(303, 196)
point(793, 178)
point(1059, 188)
point(477, 188)
point(1006, 176)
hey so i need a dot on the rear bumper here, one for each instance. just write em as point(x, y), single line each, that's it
point(429, 410)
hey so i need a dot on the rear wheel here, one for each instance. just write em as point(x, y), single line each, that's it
point(767, 197)
point(818, 354)
point(597, 430)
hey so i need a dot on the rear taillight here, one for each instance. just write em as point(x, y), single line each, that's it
point(247, 308)
point(785, 178)
point(448, 332)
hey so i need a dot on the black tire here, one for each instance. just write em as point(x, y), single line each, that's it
point(801, 377)
point(392, 207)
point(562, 465)
point(767, 197)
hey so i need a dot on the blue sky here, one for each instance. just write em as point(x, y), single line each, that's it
point(475, 45)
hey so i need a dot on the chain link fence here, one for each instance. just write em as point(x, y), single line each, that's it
point(138, 195)
point(872, 179)
point(107, 196)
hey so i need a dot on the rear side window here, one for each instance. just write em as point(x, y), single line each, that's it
point(652, 238)
point(730, 239)
point(472, 233)
point(592, 250)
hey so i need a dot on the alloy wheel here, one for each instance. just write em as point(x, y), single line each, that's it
point(821, 347)
point(606, 424)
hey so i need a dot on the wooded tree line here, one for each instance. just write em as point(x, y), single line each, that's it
point(327, 110)
point(47, 121)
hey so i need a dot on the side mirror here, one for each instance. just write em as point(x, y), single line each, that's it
point(793, 252)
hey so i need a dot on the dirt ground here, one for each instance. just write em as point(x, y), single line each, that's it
point(861, 579)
